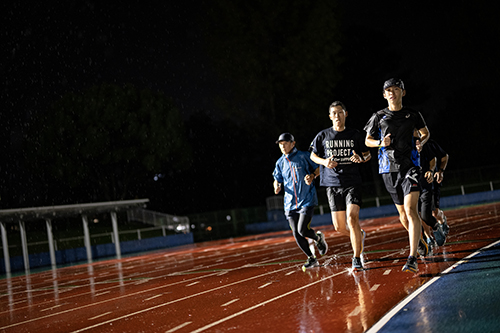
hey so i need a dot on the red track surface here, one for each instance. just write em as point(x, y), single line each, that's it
point(244, 285)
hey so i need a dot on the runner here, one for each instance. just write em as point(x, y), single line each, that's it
point(441, 163)
point(295, 172)
point(391, 129)
point(339, 150)
point(426, 202)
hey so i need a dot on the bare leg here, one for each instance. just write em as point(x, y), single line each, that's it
point(355, 229)
point(414, 223)
point(402, 216)
point(339, 222)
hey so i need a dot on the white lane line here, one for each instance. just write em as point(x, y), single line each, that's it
point(192, 284)
point(99, 316)
point(153, 269)
point(215, 323)
point(375, 287)
point(103, 293)
point(144, 291)
point(51, 308)
point(290, 273)
point(153, 297)
point(231, 302)
point(387, 272)
point(170, 302)
point(178, 327)
point(265, 285)
point(355, 312)
point(385, 319)
point(141, 282)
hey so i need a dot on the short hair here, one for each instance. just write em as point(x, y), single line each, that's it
point(337, 103)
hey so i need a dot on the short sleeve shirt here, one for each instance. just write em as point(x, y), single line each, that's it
point(340, 145)
point(430, 151)
point(400, 154)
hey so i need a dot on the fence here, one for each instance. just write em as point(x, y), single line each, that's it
point(171, 222)
point(231, 223)
point(67, 236)
point(107, 237)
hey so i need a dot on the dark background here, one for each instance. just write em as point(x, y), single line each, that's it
point(238, 73)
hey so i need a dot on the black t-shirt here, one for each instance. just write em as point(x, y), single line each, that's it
point(400, 154)
point(430, 150)
point(341, 145)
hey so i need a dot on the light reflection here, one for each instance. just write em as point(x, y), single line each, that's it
point(307, 319)
point(55, 283)
point(423, 322)
point(10, 292)
point(29, 291)
point(120, 275)
point(90, 271)
point(360, 318)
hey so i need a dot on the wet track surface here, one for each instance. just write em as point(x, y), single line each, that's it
point(253, 284)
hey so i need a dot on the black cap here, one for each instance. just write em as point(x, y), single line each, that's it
point(286, 137)
point(394, 82)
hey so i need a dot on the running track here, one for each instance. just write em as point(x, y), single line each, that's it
point(255, 284)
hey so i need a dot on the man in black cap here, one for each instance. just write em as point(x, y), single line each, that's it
point(428, 160)
point(391, 130)
point(295, 172)
point(441, 163)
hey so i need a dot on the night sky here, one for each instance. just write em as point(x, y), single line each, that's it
point(447, 55)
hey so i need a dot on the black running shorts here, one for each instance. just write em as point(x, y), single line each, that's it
point(340, 197)
point(399, 185)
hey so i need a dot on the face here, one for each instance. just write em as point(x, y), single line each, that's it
point(286, 146)
point(394, 94)
point(337, 115)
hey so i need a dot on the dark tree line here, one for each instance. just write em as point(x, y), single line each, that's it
point(278, 66)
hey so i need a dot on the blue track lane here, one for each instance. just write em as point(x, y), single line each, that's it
point(465, 298)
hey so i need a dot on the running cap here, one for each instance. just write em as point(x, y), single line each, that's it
point(394, 82)
point(286, 137)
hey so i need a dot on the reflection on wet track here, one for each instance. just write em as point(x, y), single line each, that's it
point(246, 284)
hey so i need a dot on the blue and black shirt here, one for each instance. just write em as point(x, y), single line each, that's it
point(401, 154)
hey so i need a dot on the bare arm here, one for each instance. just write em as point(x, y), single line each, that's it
point(326, 162)
point(440, 173)
point(367, 156)
point(374, 143)
point(424, 137)
point(358, 159)
point(429, 176)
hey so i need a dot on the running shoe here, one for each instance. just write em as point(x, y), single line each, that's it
point(445, 226)
point(423, 248)
point(431, 243)
point(363, 236)
point(310, 263)
point(357, 265)
point(411, 265)
point(439, 235)
point(321, 243)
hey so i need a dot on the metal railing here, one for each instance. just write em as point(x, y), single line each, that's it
point(109, 235)
point(171, 222)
